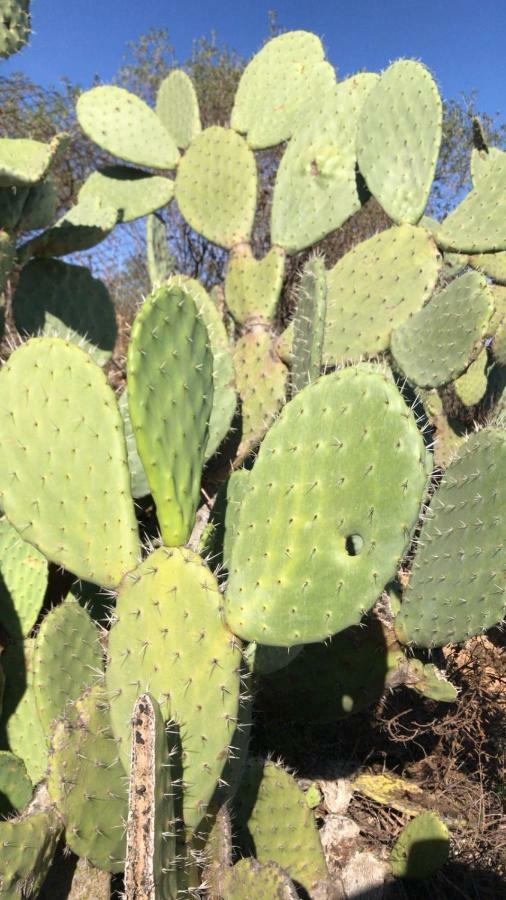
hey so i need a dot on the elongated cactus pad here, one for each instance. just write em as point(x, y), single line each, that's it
point(125, 126)
point(21, 727)
point(177, 107)
point(456, 589)
point(374, 288)
point(87, 782)
point(421, 848)
point(437, 344)
point(24, 162)
point(224, 395)
point(309, 327)
point(151, 825)
point(23, 582)
point(62, 431)
point(319, 166)
point(131, 192)
point(398, 139)
point(253, 286)
point(216, 186)
point(170, 395)
point(169, 636)
point(286, 73)
point(55, 299)
point(138, 480)
point(7, 255)
point(274, 818)
point(159, 261)
point(327, 549)
point(476, 225)
point(261, 382)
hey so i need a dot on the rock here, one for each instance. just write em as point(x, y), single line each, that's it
point(337, 795)
point(339, 841)
point(364, 876)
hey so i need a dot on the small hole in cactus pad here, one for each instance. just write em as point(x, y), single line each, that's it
point(354, 544)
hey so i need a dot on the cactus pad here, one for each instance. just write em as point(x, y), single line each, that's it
point(62, 430)
point(319, 166)
point(274, 819)
point(15, 786)
point(456, 589)
point(23, 582)
point(305, 481)
point(131, 192)
point(159, 261)
point(374, 288)
point(309, 324)
point(253, 286)
point(24, 162)
point(170, 395)
point(169, 636)
point(27, 848)
point(261, 381)
point(67, 658)
point(177, 107)
point(54, 298)
point(125, 126)
point(436, 345)
point(138, 480)
point(7, 255)
point(21, 726)
point(216, 186)
point(491, 264)
point(87, 782)
point(288, 72)
point(476, 225)
point(398, 139)
point(249, 879)
point(471, 387)
point(14, 26)
point(428, 681)
point(82, 227)
point(421, 848)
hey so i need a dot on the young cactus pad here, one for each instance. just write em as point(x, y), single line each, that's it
point(421, 848)
point(170, 395)
point(169, 637)
point(62, 431)
point(329, 511)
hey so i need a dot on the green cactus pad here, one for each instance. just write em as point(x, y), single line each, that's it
point(20, 724)
point(319, 167)
point(55, 299)
point(491, 264)
point(14, 26)
point(309, 324)
point(288, 72)
point(422, 847)
point(216, 186)
point(261, 380)
point(87, 782)
point(498, 324)
point(398, 139)
point(151, 826)
point(329, 681)
point(471, 387)
point(436, 345)
point(12, 200)
point(138, 480)
point(376, 287)
point(125, 126)
point(67, 658)
point(24, 162)
point(15, 786)
point(456, 589)
point(62, 431)
point(253, 286)
point(274, 819)
point(7, 256)
point(428, 681)
point(177, 107)
point(40, 207)
point(483, 160)
point(262, 660)
point(27, 848)
point(169, 637)
point(159, 261)
point(170, 395)
point(224, 395)
point(23, 582)
point(82, 227)
point(327, 552)
point(249, 879)
point(476, 225)
point(131, 192)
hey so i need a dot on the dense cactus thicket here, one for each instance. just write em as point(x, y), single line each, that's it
point(343, 451)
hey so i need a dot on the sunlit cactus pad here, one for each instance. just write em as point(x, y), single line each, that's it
point(456, 589)
point(329, 510)
point(23, 582)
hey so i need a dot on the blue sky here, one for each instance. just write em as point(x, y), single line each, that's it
point(461, 42)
